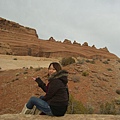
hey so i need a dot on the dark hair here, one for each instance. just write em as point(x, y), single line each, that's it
point(56, 65)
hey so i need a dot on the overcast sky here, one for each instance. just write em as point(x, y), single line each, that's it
point(94, 21)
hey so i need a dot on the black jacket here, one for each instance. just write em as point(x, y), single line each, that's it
point(57, 94)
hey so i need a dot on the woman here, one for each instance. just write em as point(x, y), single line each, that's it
point(55, 101)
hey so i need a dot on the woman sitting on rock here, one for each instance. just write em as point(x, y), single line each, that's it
point(55, 101)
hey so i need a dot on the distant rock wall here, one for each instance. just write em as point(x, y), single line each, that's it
point(13, 27)
point(15, 38)
point(18, 40)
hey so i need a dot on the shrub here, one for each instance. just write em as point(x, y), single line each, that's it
point(108, 59)
point(14, 58)
point(31, 67)
point(67, 61)
point(85, 73)
point(90, 109)
point(25, 72)
point(17, 74)
point(7, 53)
point(105, 62)
point(15, 79)
point(87, 60)
point(108, 108)
point(76, 107)
point(81, 61)
point(117, 101)
point(90, 61)
point(109, 69)
point(38, 69)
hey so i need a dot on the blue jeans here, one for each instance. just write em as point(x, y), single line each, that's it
point(40, 104)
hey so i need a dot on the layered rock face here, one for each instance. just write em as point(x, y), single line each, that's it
point(16, 39)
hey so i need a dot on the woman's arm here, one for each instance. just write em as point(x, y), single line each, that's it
point(41, 84)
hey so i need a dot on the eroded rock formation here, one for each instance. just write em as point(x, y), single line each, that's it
point(16, 39)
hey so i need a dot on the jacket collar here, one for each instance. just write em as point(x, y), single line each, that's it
point(58, 75)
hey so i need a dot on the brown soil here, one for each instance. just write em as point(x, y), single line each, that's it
point(17, 85)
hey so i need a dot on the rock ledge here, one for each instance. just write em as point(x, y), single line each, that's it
point(66, 117)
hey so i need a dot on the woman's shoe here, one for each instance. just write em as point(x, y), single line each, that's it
point(25, 110)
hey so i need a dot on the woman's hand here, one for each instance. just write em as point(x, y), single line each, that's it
point(38, 80)
point(40, 83)
point(35, 78)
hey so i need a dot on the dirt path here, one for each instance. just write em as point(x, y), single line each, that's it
point(15, 62)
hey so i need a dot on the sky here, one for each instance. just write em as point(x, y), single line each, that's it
point(96, 22)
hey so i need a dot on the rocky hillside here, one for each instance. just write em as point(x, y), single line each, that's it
point(16, 39)
point(92, 82)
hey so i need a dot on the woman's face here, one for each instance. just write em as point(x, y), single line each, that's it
point(51, 70)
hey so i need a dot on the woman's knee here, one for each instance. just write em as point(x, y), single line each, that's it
point(32, 98)
point(41, 97)
point(31, 102)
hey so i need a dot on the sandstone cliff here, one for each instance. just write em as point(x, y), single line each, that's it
point(16, 39)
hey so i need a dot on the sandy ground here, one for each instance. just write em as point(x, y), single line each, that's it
point(15, 62)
